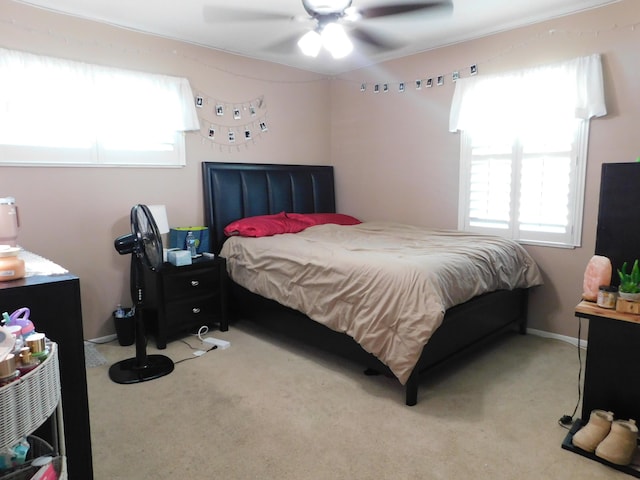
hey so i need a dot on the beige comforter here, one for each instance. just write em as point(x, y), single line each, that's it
point(387, 285)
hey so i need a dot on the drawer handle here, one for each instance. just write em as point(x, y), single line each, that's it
point(195, 310)
point(195, 283)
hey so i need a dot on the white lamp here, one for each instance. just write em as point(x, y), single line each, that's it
point(336, 41)
point(332, 37)
point(310, 43)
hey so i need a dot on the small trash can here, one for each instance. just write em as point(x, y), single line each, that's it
point(125, 327)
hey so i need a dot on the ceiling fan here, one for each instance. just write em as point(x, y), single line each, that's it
point(328, 19)
point(330, 14)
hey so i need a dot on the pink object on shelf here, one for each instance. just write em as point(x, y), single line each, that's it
point(597, 274)
point(21, 317)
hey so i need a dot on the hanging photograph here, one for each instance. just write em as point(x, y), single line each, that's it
point(401, 87)
point(232, 137)
point(376, 88)
point(252, 110)
point(363, 87)
point(429, 82)
point(199, 102)
point(385, 87)
point(263, 126)
point(220, 110)
point(440, 80)
point(236, 114)
point(474, 69)
point(247, 134)
point(212, 131)
point(418, 84)
point(455, 76)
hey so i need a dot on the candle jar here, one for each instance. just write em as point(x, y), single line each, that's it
point(607, 296)
point(11, 267)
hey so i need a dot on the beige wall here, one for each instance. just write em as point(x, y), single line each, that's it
point(393, 155)
point(72, 215)
point(395, 159)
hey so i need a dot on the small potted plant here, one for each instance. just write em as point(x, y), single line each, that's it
point(629, 288)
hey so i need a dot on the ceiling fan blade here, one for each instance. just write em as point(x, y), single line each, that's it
point(287, 45)
point(435, 6)
point(227, 14)
point(376, 40)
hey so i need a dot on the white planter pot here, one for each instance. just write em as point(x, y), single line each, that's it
point(632, 297)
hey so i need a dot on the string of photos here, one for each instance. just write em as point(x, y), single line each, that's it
point(229, 124)
point(418, 83)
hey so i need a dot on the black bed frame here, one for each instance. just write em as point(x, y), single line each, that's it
point(237, 190)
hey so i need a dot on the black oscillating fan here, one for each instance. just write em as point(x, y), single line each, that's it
point(145, 246)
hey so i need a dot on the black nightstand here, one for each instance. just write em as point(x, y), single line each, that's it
point(182, 299)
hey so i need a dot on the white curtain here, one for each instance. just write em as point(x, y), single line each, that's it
point(547, 98)
point(49, 101)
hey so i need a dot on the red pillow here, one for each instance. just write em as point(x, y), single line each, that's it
point(322, 218)
point(264, 226)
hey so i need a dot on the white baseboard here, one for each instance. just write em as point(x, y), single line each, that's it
point(531, 331)
point(572, 340)
point(105, 339)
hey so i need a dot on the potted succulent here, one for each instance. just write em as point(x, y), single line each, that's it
point(629, 288)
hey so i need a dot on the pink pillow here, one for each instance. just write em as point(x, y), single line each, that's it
point(264, 226)
point(322, 218)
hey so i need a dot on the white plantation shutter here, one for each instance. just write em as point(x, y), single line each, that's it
point(544, 193)
point(523, 161)
point(490, 191)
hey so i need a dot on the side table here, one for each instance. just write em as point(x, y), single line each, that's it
point(612, 369)
point(186, 297)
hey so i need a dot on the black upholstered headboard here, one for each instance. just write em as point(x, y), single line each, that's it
point(237, 190)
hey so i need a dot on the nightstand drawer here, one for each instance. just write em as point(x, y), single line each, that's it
point(193, 311)
point(190, 283)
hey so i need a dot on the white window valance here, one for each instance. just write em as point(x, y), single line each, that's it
point(544, 97)
point(63, 103)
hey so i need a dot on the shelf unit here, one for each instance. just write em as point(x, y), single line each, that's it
point(29, 401)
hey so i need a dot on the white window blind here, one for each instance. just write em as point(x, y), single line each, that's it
point(523, 150)
point(55, 111)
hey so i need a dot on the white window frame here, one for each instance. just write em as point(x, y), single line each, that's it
point(572, 237)
point(147, 114)
point(94, 156)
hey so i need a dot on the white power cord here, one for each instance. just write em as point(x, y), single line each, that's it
point(203, 330)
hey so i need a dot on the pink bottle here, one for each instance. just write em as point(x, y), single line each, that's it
point(8, 221)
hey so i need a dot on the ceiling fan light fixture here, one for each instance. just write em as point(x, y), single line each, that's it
point(336, 40)
point(324, 7)
point(310, 43)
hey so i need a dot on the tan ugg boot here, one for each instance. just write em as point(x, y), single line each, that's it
point(620, 444)
point(594, 432)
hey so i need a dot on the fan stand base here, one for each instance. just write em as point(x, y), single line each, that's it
point(128, 371)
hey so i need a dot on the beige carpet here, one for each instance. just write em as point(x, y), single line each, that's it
point(268, 409)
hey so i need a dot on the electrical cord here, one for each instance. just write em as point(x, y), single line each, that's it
point(213, 347)
point(567, 420)
point(203, 330)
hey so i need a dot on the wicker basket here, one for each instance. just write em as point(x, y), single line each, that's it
point(29, 401)
point(37, 448)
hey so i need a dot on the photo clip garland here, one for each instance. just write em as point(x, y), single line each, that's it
point(235, 124)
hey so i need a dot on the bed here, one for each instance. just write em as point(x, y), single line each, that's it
point(405, 339)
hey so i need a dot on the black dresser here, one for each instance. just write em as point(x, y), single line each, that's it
point(55, 309)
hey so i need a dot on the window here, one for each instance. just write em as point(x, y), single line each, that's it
point(59, 112)
point(524, 150)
